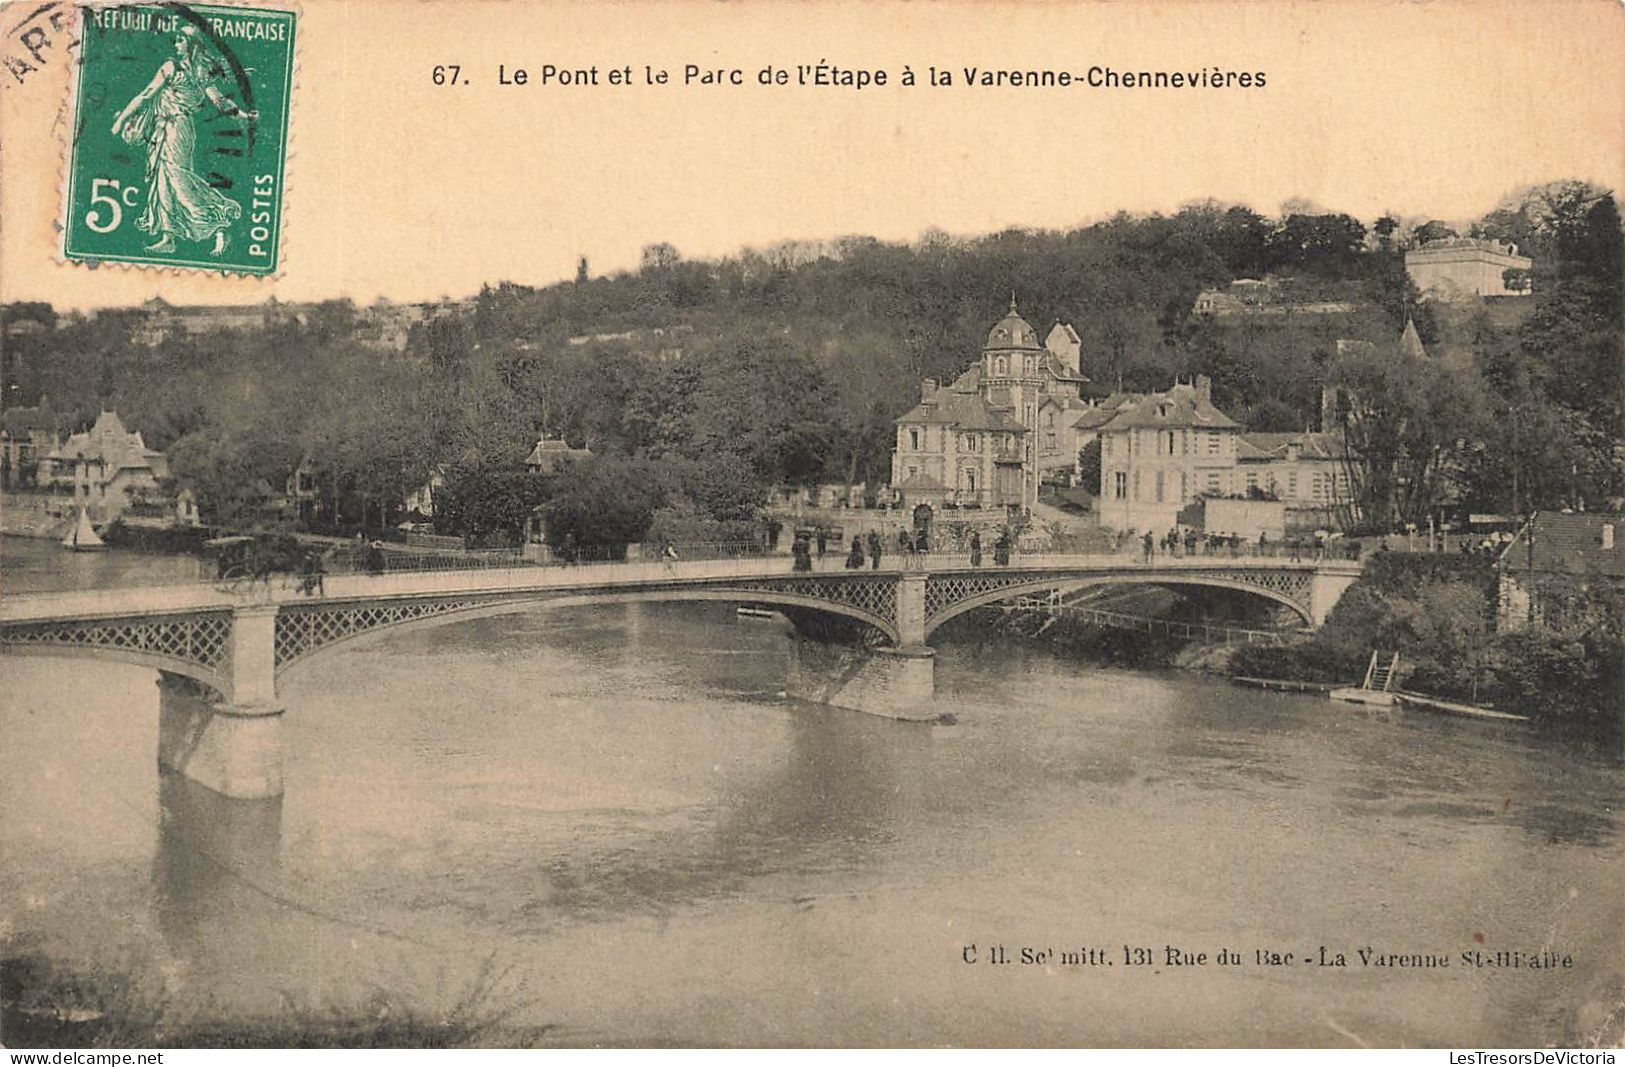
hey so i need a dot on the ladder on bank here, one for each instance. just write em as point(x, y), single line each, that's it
point(1379, 676)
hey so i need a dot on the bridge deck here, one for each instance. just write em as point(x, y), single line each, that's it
point(130, 601)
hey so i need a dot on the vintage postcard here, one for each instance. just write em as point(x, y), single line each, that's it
point(766, 524)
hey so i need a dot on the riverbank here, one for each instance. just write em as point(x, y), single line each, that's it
point(1436, 611)
point(47, 1003)
point(35, 515)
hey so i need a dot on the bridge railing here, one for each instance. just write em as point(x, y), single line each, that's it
point(501, 572)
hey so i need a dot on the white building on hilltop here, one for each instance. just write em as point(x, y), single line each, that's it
point(1462, 268)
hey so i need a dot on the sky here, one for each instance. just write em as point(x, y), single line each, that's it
point(404, 189)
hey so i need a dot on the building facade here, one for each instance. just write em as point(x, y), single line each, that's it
point(108, 467)
point(986, 440)
point(1463, 268)
point(1162, 452)
point(1555, 550)
point(27, 437)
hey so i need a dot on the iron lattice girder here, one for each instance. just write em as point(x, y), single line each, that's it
point(945, 592)
point(301, 630)
point(874, 596)
point(201, 639)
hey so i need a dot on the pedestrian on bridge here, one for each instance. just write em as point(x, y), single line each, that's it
point(874, 549)
point(975, 548)
point(1001, 549)
point(854, 559)
point(1149, 544)
point(802, 553)
point(312, 568)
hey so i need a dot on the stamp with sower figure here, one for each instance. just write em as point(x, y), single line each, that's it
point(180, 137)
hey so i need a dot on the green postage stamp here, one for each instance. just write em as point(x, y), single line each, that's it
point(180, 137)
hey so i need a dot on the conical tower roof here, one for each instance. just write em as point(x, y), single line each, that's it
point(1410, 342)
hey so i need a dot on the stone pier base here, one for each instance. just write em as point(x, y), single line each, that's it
point(233, 749)
point(897, 683)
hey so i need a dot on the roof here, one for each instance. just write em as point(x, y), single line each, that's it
point(962, 411)
point(1571, 542)
point(1179, 407)
point(1269, 446)
point(1098, 414)
point(1012, 331)
point(1410, 342)
point(109, 442)
point(1060, 370)
point(549, 450)
point(23, 420)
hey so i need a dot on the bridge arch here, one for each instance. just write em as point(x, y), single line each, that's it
point(196, 645)
point(348, 626)
point(214, 679)
point(1075, 584)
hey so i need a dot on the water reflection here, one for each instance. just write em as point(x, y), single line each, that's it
point(215, 868)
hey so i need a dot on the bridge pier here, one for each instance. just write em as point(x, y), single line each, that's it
point(233, 749)
point(1326, 588)
point(230, 743)
point(894, 683)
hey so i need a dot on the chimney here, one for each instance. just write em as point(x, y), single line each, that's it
point(928, 389)
point(1204, 387)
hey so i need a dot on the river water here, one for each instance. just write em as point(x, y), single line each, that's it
point(613, 809)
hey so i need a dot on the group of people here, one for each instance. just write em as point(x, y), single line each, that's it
point(869, 548)
point(1001, 548)
point(1189, 542)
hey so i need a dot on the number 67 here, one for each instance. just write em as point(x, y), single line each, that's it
point(99, 197)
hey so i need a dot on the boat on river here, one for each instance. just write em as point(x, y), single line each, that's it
point(82, 538)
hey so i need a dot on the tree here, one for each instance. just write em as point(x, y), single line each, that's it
point(483, 503)
point(600, 505)
point(659, 257)
point(1433, 230)
point(1089, 465)
point(1406, 430)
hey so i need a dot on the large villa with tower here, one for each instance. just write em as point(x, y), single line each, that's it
point(987, 439)
point(1016, 419)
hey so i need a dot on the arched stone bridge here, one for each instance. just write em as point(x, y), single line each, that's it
point(221, 655)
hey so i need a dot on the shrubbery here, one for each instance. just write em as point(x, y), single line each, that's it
point(1438, 613)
